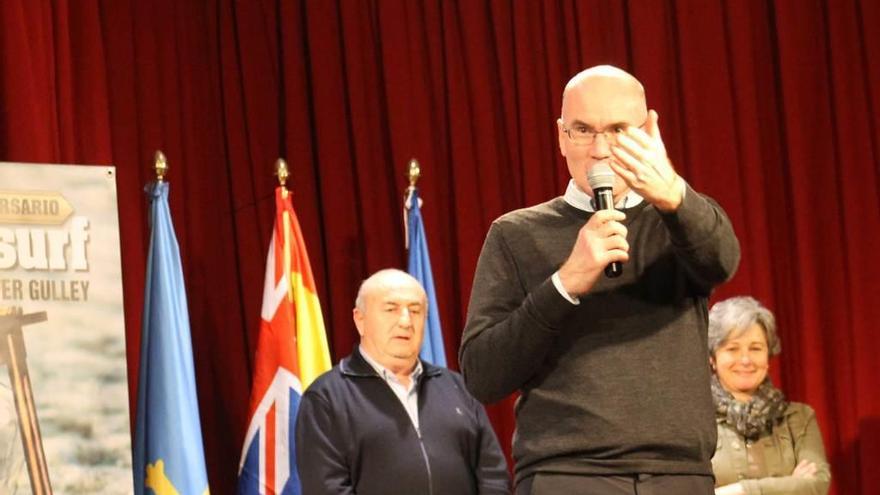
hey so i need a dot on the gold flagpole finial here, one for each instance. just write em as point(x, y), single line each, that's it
point(413, 172)
point(161, 166)
point(282, 172)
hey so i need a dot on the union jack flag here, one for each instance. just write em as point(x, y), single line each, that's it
point(291, 353)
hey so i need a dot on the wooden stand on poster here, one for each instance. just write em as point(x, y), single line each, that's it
point(12, 354)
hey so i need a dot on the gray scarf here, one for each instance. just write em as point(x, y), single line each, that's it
point(752, 418)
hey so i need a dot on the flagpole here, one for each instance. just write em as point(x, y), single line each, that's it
point(419, 265)
point(161, 166)
point(281, 171)
point(413, 172)
point(291, 353)
point(168, 452)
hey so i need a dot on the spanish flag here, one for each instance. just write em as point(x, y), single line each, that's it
point(291, 353)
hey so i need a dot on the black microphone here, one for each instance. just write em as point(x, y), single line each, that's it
point(601, 180)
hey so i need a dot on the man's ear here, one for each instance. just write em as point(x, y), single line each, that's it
point(561, 135)
point(358, 318)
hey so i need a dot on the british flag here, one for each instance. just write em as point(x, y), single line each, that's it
point(291, 353)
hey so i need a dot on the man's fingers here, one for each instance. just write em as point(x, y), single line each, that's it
point(614, 228)
point(650, 137)
point(636, 136)
point(616, 242)
point(604, 216)
point(609, 228)
point(618, 255)
point(646, 155)
point(606, 236)
point(629, 146)
point(625, 171)
point(642, 162)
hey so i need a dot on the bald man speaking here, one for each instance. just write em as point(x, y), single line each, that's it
point(613, 373)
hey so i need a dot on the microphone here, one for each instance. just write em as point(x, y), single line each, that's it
point(601, 180)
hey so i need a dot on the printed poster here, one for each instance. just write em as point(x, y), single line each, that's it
point(59, 255)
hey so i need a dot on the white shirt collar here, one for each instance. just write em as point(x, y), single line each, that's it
point(387, 374)
point(582, 201)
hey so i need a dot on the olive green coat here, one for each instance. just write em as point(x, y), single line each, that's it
point(764, 466)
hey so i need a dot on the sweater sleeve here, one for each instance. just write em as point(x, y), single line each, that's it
point(807, 440)
point(321, 463)
point(703, 238)
point(491, 470)
point(509, 331)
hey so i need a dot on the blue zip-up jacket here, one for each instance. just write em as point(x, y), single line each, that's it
point(353, 436)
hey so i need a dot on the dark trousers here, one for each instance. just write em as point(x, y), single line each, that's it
point(641, 484)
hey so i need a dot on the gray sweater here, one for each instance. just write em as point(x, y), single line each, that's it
point(618, 384)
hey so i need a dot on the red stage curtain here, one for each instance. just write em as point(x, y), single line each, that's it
point(770, 107)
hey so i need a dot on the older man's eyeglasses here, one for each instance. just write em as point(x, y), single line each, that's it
point(584, 135)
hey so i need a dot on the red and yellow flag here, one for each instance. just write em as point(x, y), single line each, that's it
point(291, 352)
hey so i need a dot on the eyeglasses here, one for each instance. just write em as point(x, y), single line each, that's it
point(585, 136)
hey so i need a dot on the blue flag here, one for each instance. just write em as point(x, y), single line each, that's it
point(419, 266)
point(168, 451)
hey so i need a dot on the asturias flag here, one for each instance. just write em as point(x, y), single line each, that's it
point(168, 453)
point(291, 353)
point(419, 266)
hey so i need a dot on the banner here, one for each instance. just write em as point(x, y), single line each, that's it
point(63, 383)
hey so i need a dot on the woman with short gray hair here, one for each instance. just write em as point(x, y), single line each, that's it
point(765, 443)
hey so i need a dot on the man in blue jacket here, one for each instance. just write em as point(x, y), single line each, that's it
point(383, 422)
